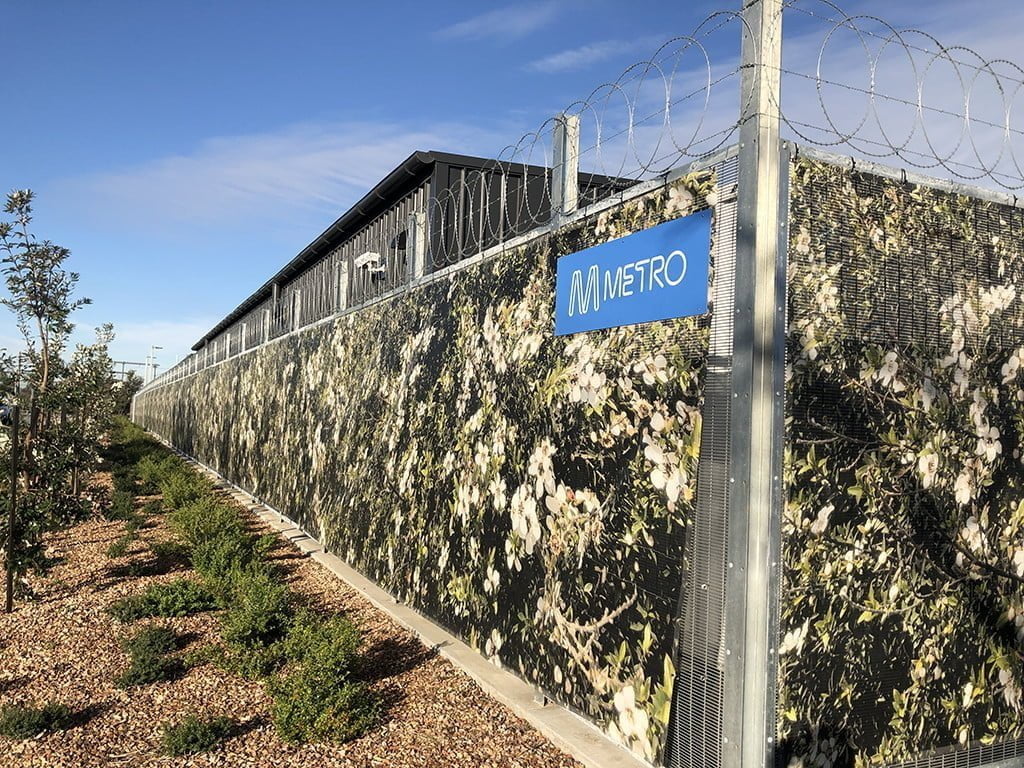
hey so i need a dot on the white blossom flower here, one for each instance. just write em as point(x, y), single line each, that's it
point(794, 639)
point(525, 523)
point(541, 468)
point(556, 501)
point(492, 581)
point(633, 722)
point(957, 341)
point(927, 395)
point(972, 534)
point(670, 483)
point(821, 520)
point(667, 473)
point(1018, 561)
point(493, 644)
point(961, 377)
point(997, 298)
point(1012, 366)
point(653, 369)
point(679, 200)
point(588, 387)
point(988, 444)
point(803, 242)
point(887, 372)
point(497, 490)
point(928, 468)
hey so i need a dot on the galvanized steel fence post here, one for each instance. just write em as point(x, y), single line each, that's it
point(416, 240)
point(758, 362)
point(565, 163)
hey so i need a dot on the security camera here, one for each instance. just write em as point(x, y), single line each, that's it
point(371, 261)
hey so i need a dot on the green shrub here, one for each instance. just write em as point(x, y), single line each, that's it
point(135, 568)
point(320, 697)
point(154, 468)
point(122, 505)
point(133, 523)
point(124, 479)
point(168, 550)
point(149, 649)
point(218, 558)
point(178, 598)
point(21, 722)
point(327, 648)
point(204, 654)
point(153, 640)
point(119, 548)
point(149, 668)
point(148, 471)
point(301, 712)
point(206, 518)
point(181, 487)
point(258, 612)
point(231, 554)
point(194, 734)
point(153, 507)
point(251, 663)
point(128, 444)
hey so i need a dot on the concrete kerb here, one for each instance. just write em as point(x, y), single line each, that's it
point(565, 729)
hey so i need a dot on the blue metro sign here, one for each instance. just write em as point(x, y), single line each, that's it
point(655, 274)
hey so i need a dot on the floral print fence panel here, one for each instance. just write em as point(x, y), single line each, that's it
point(903, 534)
point(530, 492)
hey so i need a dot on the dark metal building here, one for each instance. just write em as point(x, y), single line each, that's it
point(433, 210)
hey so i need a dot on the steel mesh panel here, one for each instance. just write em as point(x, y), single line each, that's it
point(695, 737)
point(898, 638)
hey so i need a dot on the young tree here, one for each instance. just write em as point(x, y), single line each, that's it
point(124, 391)
point(40, 294)
point(67, 404)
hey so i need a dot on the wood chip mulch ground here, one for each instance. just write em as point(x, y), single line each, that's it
point(64, 647)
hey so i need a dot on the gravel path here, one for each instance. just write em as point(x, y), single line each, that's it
point(63, 647)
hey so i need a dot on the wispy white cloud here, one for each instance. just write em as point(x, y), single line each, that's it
point(267, 177)
point(587, 55)
point(507, 23)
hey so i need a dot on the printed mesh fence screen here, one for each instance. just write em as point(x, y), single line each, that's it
point(903, 527)
point(536, 494)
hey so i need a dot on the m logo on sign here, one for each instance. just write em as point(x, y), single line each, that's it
point(655, 274)
point(641, 276)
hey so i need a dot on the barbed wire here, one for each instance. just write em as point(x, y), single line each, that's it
point(899, 93)
point(849, 82)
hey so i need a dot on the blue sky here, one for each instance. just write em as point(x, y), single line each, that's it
point(185, 151)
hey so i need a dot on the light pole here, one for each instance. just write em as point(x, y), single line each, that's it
point(151, 363)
